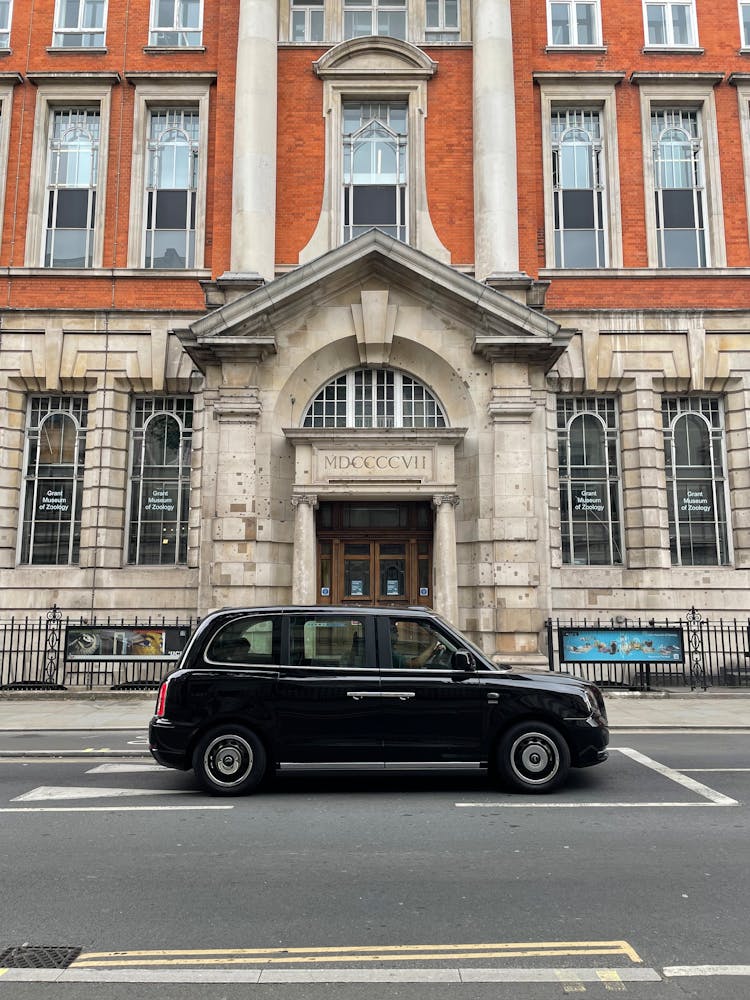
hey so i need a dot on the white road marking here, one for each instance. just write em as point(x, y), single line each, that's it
point(593, 805)
point(83, 809)
point(124, 768)
point(354, 975)
point(673, 971)
point(47, 792)
point(715, 770)
point(718, 798)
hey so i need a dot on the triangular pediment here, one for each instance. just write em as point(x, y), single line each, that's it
point(501, 328)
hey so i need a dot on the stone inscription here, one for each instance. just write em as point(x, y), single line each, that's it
point(376, 463)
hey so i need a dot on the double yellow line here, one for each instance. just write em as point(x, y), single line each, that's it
point(353, 954)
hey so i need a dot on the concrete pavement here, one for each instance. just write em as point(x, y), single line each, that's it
point(109, 710)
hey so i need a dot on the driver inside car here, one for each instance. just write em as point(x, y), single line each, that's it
point(429, 643)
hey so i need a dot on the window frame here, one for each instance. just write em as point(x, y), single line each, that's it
point(573, 26)
point(59, 33)
point(743, 5)
point(52, 189)
point(174, 407)
point(742, 83)
point(64, 93)
point(597, 92)
point(442, 29)
point(154, 30)
point(694, 406)
point(74, 407)
point(696, 94)
point(375, 7)
point(159, 93)
point(669, 42)
point(400, 142)
point(307, 8)
point(6, 113)
point(403, 77)
point(151, 194)
point(347, 381)
point(5, 42)
point(604, 409)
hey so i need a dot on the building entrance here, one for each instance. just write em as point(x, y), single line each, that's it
point(375, 553)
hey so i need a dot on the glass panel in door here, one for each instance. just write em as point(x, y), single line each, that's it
point(391, 558)
point(357, 583)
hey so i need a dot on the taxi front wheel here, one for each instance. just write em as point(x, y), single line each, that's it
point(533, 757)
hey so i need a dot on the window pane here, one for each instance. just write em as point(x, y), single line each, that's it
point(681, 248)
point(589, 511)
point(657, 25)
point(681, 24)
point(560, 24)
point(160, 478)
point(695, 476)
point(51, 518)
point(585, 24)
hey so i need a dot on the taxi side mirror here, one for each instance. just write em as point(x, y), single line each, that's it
point(463, 661)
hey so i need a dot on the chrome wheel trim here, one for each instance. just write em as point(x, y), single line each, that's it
point(535, 758)
point(228, 760)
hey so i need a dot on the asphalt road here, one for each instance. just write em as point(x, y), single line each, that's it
point(637, 868)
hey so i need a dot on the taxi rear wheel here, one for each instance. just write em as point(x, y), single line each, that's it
point(533, 757)
point(229, 760)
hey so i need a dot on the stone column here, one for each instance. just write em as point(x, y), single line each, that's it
point(229, 498)
point(495, 178)
point(445, 562)
point(254, 167)
point(304, 569)
point(644, 499)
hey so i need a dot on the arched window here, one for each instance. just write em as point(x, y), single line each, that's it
point(160, 481)
point(375, 180)
point(589, 481)
point(578, 188)
point(694, 460)
point(680, 197)
point(54, 479)
point(72, 180)
point(171, 187)
point(374, 397)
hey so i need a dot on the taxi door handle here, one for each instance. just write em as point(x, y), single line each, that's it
point(401, 695)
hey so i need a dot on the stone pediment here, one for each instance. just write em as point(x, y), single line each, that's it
point(375, 57)
point(367, 270)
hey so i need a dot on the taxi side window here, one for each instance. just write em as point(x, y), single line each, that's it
point(326, 641)
point(417, 644)
point(248, 642)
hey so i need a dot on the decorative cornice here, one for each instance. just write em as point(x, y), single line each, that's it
point(73, 77)
point(169, 76)
point(579, 76)
point(638, 77)
point(378, 437)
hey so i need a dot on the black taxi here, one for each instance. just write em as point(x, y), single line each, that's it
point(260, 690)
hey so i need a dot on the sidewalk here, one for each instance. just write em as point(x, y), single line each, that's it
point(27, 711)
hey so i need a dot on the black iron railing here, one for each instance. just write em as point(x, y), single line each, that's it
point(56, 652)
point(707, 653)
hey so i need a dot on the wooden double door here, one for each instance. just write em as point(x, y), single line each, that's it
point(375, 553)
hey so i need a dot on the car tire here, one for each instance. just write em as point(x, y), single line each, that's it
point(229, 760)
point(533, 757)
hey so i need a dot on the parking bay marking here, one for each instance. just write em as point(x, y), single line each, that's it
point(712, 797)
